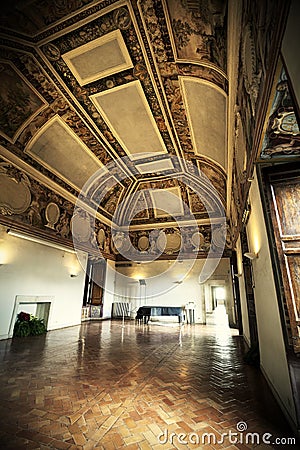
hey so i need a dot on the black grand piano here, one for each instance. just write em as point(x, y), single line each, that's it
point(145, 312)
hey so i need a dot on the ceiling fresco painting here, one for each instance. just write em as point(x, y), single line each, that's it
point(199, 30)
point(19, 101)
point(121, 102)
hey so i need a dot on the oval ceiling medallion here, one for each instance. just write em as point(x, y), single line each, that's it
point(101, 237)
point(15, 197)
point(143, 243)
point(219, 237)
point(169, 243)
point(161, 241)
point(81, 229)
point(197, 240)
point(52, 214)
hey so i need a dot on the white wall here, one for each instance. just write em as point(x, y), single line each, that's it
point(162, 287)
point(272, 349)
point(32, 269)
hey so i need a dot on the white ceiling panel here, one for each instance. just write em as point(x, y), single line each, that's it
point(99, 58)
point(126, 111)
point(155, 166)
point(167, 202)
point(59, 149)
point(206, 111)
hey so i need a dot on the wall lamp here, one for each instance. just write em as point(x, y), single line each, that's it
point(73, 275)
point(251, 255)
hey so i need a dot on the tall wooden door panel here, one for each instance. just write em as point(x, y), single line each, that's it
point(285, 192)
point(98, 277)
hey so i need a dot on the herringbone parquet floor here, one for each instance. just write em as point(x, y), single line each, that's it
point(104, 386)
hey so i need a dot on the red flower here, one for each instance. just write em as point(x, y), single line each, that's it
point(23, 316)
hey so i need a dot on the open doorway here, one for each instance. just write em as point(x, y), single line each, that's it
point(92, 307)
point(219, 313)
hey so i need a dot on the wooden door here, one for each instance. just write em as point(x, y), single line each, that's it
point(247, 270)
point(285, 212)
point(98, 280)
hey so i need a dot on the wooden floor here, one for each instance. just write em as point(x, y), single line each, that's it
point(108, 386)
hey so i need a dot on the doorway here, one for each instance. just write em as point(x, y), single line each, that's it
point(219, 315)
point(94, 287)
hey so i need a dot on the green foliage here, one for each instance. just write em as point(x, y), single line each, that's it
point(37, 326)
point(22, 329)
point(28, 325)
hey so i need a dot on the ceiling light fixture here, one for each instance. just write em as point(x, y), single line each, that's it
point(39, 241)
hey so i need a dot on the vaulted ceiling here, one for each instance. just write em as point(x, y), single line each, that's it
point(89, 82)
point(123, 104)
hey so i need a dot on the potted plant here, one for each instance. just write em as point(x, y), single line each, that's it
point(28, 325)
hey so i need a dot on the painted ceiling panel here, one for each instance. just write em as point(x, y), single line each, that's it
point(13, 88)
point(206, 110)
point(99, 58)
point(127, 112)
point(155, 166)
point(167, 202)
point(60, 150)
point(198, 30)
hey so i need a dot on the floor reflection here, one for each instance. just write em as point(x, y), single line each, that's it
point(110, 386)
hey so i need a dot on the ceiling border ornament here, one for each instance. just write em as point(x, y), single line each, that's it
point(252, 73)
point(33, 216)
point(15, 195)
point(58, 22)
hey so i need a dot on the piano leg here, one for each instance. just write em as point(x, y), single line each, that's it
point(146, 319)
point(139, 319)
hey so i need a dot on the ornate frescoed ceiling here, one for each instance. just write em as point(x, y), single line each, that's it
point(137, 90)
point(88, 82)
